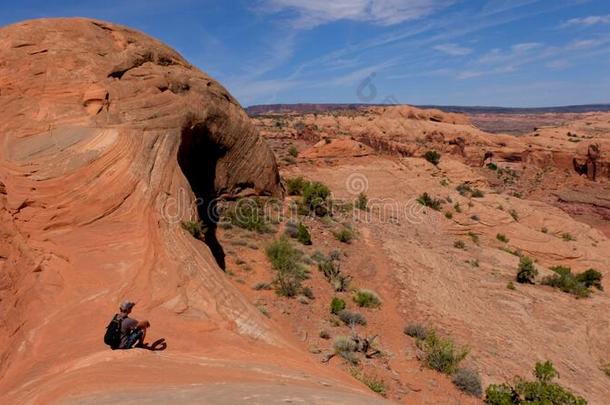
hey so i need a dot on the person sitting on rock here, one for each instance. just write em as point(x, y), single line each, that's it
point(133, 332)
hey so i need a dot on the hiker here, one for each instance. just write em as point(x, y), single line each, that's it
point(124, 332)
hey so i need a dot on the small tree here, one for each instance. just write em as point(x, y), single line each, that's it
point(527, 272)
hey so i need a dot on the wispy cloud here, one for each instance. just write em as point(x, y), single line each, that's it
point(311, 13)
point(453, 49)
point(587, 21)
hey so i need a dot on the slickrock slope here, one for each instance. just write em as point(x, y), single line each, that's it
point(108, 140)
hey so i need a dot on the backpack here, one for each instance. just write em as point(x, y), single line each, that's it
point(113, 332)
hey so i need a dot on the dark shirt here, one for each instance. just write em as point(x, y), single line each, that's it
point(128, 326)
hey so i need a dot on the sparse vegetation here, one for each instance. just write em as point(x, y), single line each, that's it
point(295, 185)
point(362, 202)
point(492, 166)
point(416, 331)
point(345, 235)
point(527, 272)
point(367, 299)
point(315, 198)
point(374, 383)
point(475, 217)
point(262, 286)
point(248, 213)
point(469, 381)
point(303, 235)
point(459, 244)
point(427, 201)
point(195, 228)
point(433, 157)
point(290, 273)
point(567, 237)
point(324, 334)
point(540, 391)
point(449, 215)
point(441, 354)
point(577, 284)
point(511, 286)
point(331, 269)
point(513, 213)
point(293, 151)
point(346, 348)
point(337, 305)
point(474, 237)
point(502, 238)
point(476, 193)
point(544, 229)
point(351, 318)
point(457, 207)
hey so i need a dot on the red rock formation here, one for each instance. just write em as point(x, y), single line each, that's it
point(110, 140)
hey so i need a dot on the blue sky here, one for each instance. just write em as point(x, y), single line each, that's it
point(444, 52)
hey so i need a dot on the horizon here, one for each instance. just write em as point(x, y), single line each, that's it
point(510, 54)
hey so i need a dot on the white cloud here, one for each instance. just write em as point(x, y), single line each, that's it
point(587, 21)
point(585, 44)
point(453, 49)
point(311, 13)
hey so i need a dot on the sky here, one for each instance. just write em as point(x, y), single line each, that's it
point(512, 53)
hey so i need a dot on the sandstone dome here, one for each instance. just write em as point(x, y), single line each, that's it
point(110, 140)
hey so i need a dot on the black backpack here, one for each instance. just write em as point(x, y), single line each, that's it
point(113, 332)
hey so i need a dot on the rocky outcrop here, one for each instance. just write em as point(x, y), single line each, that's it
point(110, 140)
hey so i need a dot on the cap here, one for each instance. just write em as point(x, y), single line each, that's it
point(127, 305)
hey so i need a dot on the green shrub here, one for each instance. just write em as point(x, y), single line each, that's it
point(362, 202)
point(351, 318)
point(293, 151)
point(427, 201)
point(513, 213)
point(195, 228)
point(303, 234)
point(576, 284)
point(367, 299)
point(540, 391)
point(296, 185)
point(433, 157)
point(492, 166)
point(511, 286)
point(315, 198)
point(449, 215)
point(502, 238)
point(476, 193)
point(457, 207)
point(345, 235)
point(416, 331)
point(337, 305)
point(248, 213)
point(527, 272)
point(441, 354)
point(374, 383)
point(464, 189)
point(284, 259)
point(459, 244)
point(469, 381)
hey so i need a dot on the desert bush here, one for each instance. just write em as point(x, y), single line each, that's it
point(542, 390)
point(375, 383)
point(295, 185)
point(476, 193)
point(441, 354)
point(427, 201)
point(337, 305)
point(502, 238)
point(464, 189)
point(576, 284)
point(459, 244)
point(511, 286)
point(513, 213)
point(195, 228)
point(492, 166)
point(457, 207)
point(567, 237)
point(324, 334)
point(331, 270)
point(606, 369)
point(449, 215)
point(345, 235)
point(346, 348)
point(308, 292)
point(290, 273)
point(527, 272)
point(262, 286)
point(351, 318)
point(263, 309)
point(367, 299)
point(303, 234)
point(433, 157)
point(248, 213)
point(474, 237)
point(362, 202)
point(475, 217)
point(293, 151)
point(416, 331)
point(469, 381)
point(315, 198)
